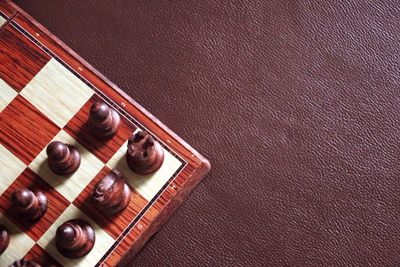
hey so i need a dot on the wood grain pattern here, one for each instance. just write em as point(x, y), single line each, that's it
point(146, 185)
point(11, 168)
point(22, 126)
point(102, 244)
point(103, 149)
point(68, 186)
point(40, 256)
point(171, 188)
point(2, 21)
point(20, 242)
point(57, 93)
point(7, 94)
point(20, 58)
point(113, 225)
point(56, 204)
point(8, 10)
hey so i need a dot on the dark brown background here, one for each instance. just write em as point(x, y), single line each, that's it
point(295, 103)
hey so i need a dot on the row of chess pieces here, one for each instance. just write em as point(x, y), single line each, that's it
point(111, 195)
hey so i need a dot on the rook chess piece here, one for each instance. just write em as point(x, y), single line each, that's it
point(4, 238)
point(32, 205)
point(111, 194)
point(144, 155)
point(63, 159)
point(103, 120)
point(25, 263)
point(75, 238)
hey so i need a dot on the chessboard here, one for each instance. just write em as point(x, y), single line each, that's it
point(46, 95)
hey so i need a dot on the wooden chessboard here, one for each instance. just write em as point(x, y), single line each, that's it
point(45, 93)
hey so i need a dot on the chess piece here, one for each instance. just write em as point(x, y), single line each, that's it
point(32, 205)
point(103, 120)
point(63, 159)
point(75, 238)
point(144, 155)
point(4, 238)
point(111, 194)
point(24, 263)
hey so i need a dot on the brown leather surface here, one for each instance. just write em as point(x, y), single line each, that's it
point(296, 104)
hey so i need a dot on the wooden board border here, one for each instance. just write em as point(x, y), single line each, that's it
point(176, 190)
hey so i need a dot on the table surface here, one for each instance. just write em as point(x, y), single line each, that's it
point(294, 103)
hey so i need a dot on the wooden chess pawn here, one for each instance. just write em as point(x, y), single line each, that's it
point(75, 238)
point(111, 195)
point(63, 159)
point(103, 120)
point(144, 155)
point(25, 263)
point(32, 205)
point(4, 238)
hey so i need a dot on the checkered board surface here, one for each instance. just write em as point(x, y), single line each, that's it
point(45, 95)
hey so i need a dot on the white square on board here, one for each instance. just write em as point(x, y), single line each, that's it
point(68, 186)
point(7, 94)
point(20, 243)
point(11, 167)
point(2, 20)
point(146, 185)
point(57, 92)
point(103, 240)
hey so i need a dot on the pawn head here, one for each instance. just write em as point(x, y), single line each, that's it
point(66, 232)
point(22, 198)
point(56, 150)
point(99, 111)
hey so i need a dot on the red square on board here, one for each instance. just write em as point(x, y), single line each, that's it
point(103, 149)
point(113, 225)
point(20, 58)
point(41, 257)
point(24, 130)
point(56, 204)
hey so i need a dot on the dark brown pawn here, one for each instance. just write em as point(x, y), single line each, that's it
point(103, 120)
point(111, 195)
point(75, 238)
point(25, 263)
point(4, 238)
point(63, 159)
point(32, 205)
point(145, 155)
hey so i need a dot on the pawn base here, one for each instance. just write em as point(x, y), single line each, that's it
point(4, 238)
point(74, 254)
point(144, 169)
point(73, 167)
point(25, 263)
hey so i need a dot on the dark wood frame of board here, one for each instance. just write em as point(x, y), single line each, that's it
point(176, 189)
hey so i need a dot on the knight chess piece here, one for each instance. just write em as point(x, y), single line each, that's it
point(144, 155)
point(63, 159)
point(75, 238)
point(4, 238)
point(25, 263)
point(111, 194)
point(103, 120)
point(32, 205)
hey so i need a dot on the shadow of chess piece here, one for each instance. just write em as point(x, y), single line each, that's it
point(63, 159)
point(103, 120)
point(75, 238)
point(4, 238)
point(30, 205)
point(144, 155)
point(111, 195)
point(25, 263)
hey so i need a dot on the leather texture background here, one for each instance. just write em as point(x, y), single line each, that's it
point(295, 103)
